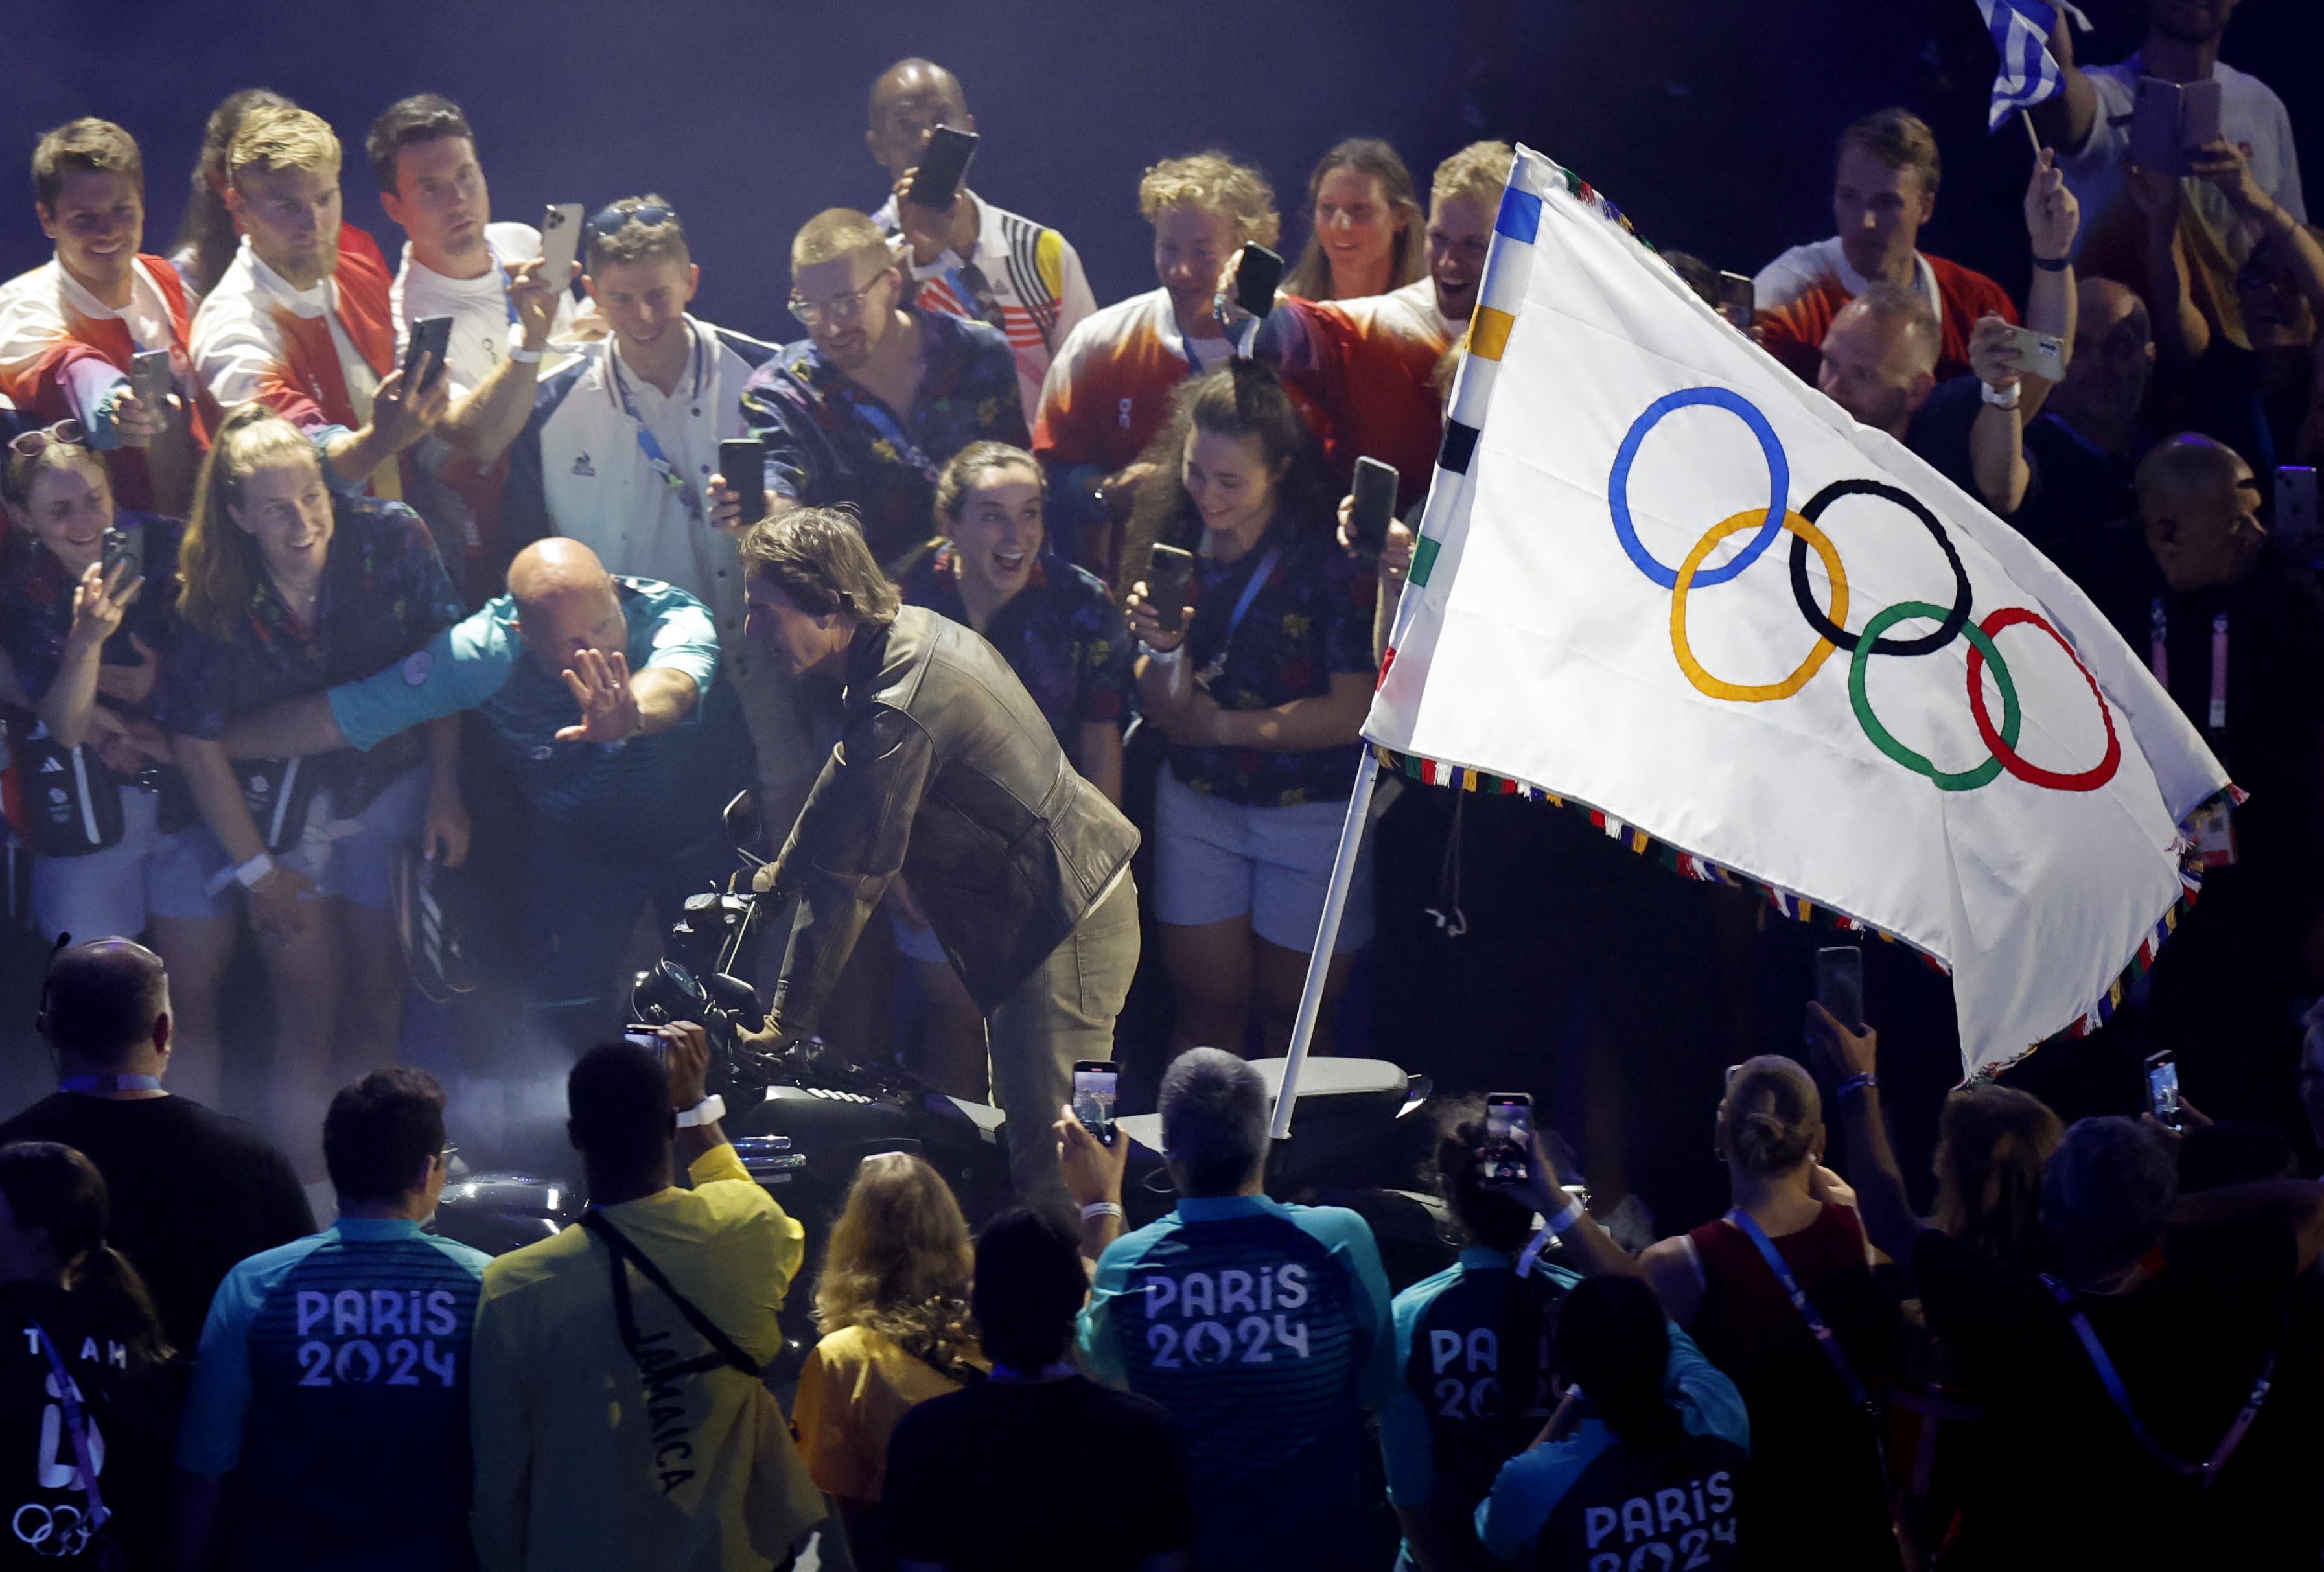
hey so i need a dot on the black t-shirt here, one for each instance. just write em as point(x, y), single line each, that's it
point(1046, 1474)
point(192, 1192)
point(2058, 1478)
point(44, 1506)
point(2073, 487)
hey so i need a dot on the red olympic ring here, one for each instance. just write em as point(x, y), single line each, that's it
point(2088, 780)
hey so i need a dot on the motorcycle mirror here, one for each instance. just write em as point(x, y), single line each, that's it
point(746, 828)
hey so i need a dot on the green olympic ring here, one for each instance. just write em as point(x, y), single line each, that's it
point(1966, 780)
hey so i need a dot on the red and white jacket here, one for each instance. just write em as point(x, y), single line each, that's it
point(258, 340)
point(63, 350)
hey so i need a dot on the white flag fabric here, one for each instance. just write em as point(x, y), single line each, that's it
point(1662, 580)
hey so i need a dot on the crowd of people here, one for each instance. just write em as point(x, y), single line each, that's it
point(299, 614)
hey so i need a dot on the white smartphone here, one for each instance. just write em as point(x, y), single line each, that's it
point(561, 243)
point(2039, 355)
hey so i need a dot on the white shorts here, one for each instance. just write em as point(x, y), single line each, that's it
point(1215, 860)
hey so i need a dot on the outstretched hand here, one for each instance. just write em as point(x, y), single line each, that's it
point(1845, 1051)
point(600, 684)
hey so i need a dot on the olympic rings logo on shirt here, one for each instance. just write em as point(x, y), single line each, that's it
point(1828, 623)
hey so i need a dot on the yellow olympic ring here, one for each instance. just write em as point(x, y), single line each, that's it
point(1757, 692)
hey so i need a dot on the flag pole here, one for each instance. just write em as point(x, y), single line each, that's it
point(1327, 935)
point(2031, 135)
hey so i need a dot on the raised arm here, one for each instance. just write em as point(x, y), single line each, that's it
point(98, 603)
point(483, 423)
point(1889, 1221)
point(2066, 120)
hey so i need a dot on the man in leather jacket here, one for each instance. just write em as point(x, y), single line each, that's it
point(946, 774)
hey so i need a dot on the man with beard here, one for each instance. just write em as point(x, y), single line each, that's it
point(299, 324)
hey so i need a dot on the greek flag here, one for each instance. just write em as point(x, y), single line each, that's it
point(2021, 34)
point(1662, 582)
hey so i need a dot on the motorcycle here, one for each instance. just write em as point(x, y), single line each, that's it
point(804, 1118)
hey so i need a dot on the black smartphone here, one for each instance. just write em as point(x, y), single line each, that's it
point(742, 464)
point(1168, 570)
point(1375, 506)
point(1839, 984)
point(430, 337)
point(650, 1040)
point(124, 545)
point(2198, 114)
point(2162, 1088)
point(1509, 1137)
point(2294, 524)
point(944, 164)
point(149, 377)
point(1736, 299)
point(1096, 1084)
point(1256, 279)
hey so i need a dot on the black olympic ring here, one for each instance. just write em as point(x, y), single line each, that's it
point(1928, 643)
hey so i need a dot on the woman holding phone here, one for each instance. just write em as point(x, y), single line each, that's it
point(1260, 682)
point(288, 589)
point(118, 849)
point(1062, 636)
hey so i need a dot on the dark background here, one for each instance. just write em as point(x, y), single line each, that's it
point(1710, 121)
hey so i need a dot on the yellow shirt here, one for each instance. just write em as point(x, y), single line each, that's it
point(856, 1386)
point(580, 1462)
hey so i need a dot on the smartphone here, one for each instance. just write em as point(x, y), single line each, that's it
point(431, 336)
point(944, 164)
point(1839, 984)
point(1168, 570)
point(1736, 297)
point(1095, 1082)
point(650, 1040)
point(2039, 355)
point(742, 464)
point(2294, 524)
point(149, 377)
point(1257, 279)
point(2154, 127)
point(561, 243)
point(2198, 114)
point(1509, 1137)
point(124, 545)
point(1375, 508)
point(2162, 1088)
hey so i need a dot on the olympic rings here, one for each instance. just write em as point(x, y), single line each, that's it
point(1867, 645)
point(1830, 626)
point(1779, 482)
point(1686, 578)
point(2088, 780)
point(1950, 623)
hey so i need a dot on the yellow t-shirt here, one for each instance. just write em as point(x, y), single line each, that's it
point(581, 1460)
point(856, 1386)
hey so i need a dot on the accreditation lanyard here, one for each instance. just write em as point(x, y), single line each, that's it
point(101, 1084)
point(1825, 1338)
point(1251, 586)
point(647, 443)
point(508, 294)
point(2158, 659)
point(2111, 1379)
point(883, 420)
point(76, 1421)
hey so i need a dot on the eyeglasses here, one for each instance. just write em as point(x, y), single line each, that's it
point(612, 221)
point(63, 434)
point(838, 308)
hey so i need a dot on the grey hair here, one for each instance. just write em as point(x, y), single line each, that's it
point(1213, 1121)
point(2106, 1192)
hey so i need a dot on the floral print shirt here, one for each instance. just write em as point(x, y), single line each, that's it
point(829, 442)
point(1312, 617)
point(1061, 634)
point(36, 604)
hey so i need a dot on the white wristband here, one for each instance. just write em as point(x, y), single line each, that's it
point(2001, 399)
point(1103, 1208)
point(1564, 1219)
point(1163, 657)
point(525, 356)
point(708, 1111)
point(256, 868)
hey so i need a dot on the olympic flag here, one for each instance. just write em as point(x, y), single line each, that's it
point(1661, 580)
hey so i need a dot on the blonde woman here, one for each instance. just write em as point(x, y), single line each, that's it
point(287, 589)
point(892, 1306)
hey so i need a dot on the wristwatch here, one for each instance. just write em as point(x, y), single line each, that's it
point(708, 1111)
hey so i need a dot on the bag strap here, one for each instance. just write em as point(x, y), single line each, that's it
point(76, 1421)
point(1825, 1338)
point(622, 1249)
point(2111, 1379)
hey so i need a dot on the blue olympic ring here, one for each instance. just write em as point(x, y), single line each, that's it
point(1779, 478)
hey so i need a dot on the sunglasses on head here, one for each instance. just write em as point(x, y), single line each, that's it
point(612, 221)
point(63, 434)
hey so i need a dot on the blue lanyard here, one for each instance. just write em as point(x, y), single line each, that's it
point(647, 443)
point(77, 1423)
point(105, 1083)
point(883, 420)
point(2111, 1379)
point(507, 300)
point(1259, 575)
point(1824, 1336)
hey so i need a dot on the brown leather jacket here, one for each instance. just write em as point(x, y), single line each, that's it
point(948, 773)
